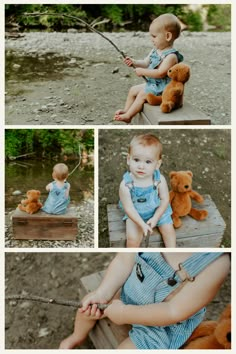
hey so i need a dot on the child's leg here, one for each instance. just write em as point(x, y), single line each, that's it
point(126, 344)
point(168, 235)
point(134, 234)
point(133, 92)
point(135, 107)
point(83, 325)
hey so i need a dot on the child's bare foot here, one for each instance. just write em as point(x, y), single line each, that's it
point(119, 111)
point(71, 342)
point(123, 118)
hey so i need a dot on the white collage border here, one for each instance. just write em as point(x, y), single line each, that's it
point(3, 250)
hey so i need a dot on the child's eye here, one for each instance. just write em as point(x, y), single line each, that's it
point(136, 160)
point(148, 161)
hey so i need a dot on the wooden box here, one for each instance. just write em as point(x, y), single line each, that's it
point(192, 233)
point(105, 335)
point(186, 115)
point(43, 226)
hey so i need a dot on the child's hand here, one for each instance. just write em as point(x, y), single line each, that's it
point(128, 61)
point(146, 228)
point(152, 222)
point(92, 298)
point(139, 71)
point(93, 312)
point(115, 312)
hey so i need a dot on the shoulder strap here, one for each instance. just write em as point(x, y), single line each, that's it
point(172, 51)
point(199, 261)
point(128, 180)
point(156, 178)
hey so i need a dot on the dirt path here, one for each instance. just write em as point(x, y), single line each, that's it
point(78, 78)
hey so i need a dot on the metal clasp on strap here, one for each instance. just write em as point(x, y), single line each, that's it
point(182, 273)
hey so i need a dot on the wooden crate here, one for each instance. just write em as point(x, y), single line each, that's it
point(187, 115)
point(105, 335)
point(192, 233)
point(43, 226)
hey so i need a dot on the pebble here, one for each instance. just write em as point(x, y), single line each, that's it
point(17, 192)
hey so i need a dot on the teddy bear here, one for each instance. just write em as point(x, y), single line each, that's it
point(212, 334)
point(31, 205)
point(180, 197)
point(172, 96)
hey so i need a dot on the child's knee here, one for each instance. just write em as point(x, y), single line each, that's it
point(133, 240)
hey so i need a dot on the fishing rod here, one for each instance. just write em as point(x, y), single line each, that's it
point(91, 28)
point(62, 302)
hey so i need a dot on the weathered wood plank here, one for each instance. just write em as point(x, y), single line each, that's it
point(105, 335)
point(43, 226)
point(187, 115)
point(192, 233)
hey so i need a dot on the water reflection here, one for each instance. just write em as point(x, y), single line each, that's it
point(23, 175)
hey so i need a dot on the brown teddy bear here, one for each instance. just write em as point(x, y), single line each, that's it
point(180, 197)
point(31, 205)
point(212, 334)
point(172, 96)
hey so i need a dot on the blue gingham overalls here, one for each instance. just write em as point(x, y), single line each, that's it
point(57, 200)
point(146, 200)
point(156, 86)
point(148, 283)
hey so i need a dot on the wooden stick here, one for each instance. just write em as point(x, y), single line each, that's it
point(91, 28)
point(72, 303)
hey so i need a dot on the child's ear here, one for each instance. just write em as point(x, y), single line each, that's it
point(159, 162)
point(169, 36)
point(128, 159)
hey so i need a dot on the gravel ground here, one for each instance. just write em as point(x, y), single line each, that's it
point(84, 239)
point(34, 325)
point(78, 78)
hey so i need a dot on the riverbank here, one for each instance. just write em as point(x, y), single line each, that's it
point(79, 78)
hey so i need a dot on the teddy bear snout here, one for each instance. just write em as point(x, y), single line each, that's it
point(228, 336)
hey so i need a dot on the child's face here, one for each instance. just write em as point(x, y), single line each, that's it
point(143, 161)
point(160, 37)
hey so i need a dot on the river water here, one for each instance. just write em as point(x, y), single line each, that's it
point(22, 175)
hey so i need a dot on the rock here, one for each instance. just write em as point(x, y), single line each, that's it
point(72, 30)
point(16, 66)
point(17, 192)
point(115, 71)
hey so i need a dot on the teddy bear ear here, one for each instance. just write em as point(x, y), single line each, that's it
point(38, 192)
point(190, 173)
point(172, 174)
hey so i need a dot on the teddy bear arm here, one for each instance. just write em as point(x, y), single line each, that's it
point(196, 196)
point(25, 201)
point(153, 100)
point(171, 195)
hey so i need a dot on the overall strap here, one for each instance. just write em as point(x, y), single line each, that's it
point(156, 178)
point(128, 180)
point(172, 51)
point(192, 266)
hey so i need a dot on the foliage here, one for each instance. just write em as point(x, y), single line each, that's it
point(220, 16)
point(48, 142)
point(133, 16)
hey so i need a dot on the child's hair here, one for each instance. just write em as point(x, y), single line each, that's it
point(147, 140)
point(169, 23)
point(61, 171)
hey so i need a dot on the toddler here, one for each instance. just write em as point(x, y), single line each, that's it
point(144, 193)
point(58, 198)
point(163, 296)
point(163, 30)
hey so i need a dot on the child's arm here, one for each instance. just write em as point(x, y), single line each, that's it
point(116, 274)
point(130, 209)
point(161, 70)
point(190, 299)
point(67, 190)
point(138, 63)
point(164, 198)
point(48, 187)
